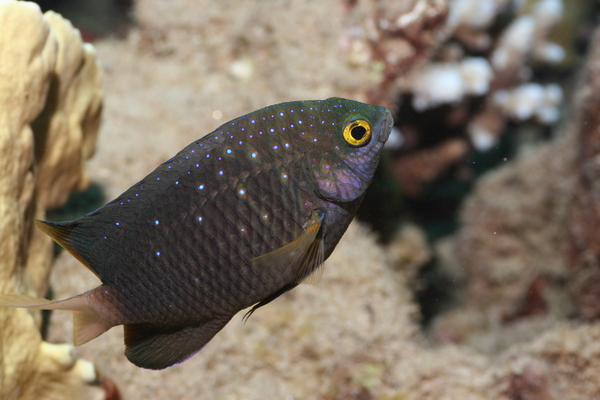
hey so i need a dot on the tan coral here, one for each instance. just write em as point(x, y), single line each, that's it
point(529, 236)
point(45, 71)
point(513, 247)
point(584, 210)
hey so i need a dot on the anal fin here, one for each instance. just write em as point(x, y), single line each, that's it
point(157, 347)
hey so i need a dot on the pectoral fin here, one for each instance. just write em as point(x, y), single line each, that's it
point(158, 347)
point(305, 254)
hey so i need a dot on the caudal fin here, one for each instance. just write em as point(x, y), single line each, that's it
point(87, 324)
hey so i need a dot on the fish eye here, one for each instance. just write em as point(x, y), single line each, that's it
point(357, 133)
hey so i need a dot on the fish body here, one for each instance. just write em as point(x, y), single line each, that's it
point(235, 219)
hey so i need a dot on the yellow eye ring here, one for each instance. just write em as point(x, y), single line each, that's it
point(357, 133)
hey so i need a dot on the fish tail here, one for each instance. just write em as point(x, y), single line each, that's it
point(87, 323)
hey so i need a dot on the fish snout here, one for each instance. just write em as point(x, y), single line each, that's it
point(387, 125)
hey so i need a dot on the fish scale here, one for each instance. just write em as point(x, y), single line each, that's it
point(233, 220)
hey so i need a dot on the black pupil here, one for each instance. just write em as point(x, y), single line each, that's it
point(358, 132)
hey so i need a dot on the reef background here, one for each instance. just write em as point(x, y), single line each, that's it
point(516, 316)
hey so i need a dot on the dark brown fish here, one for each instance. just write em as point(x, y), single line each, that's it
point(235, 219)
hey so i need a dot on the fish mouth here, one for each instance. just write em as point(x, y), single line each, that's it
point(388, 124)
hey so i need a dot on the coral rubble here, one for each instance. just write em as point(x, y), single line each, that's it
point(50, 101)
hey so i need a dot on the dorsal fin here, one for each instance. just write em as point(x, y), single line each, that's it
point(69, 237)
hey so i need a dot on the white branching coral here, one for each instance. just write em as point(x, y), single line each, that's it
point(503, 76)
point(547, 13)
point(531, 100)
point(515, 44)
point(441, 83)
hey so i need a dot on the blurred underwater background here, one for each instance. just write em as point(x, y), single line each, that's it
point(473, 268)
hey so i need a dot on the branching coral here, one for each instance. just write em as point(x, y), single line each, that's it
point(529, 240)
point(50, 108)
point(467, 65)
